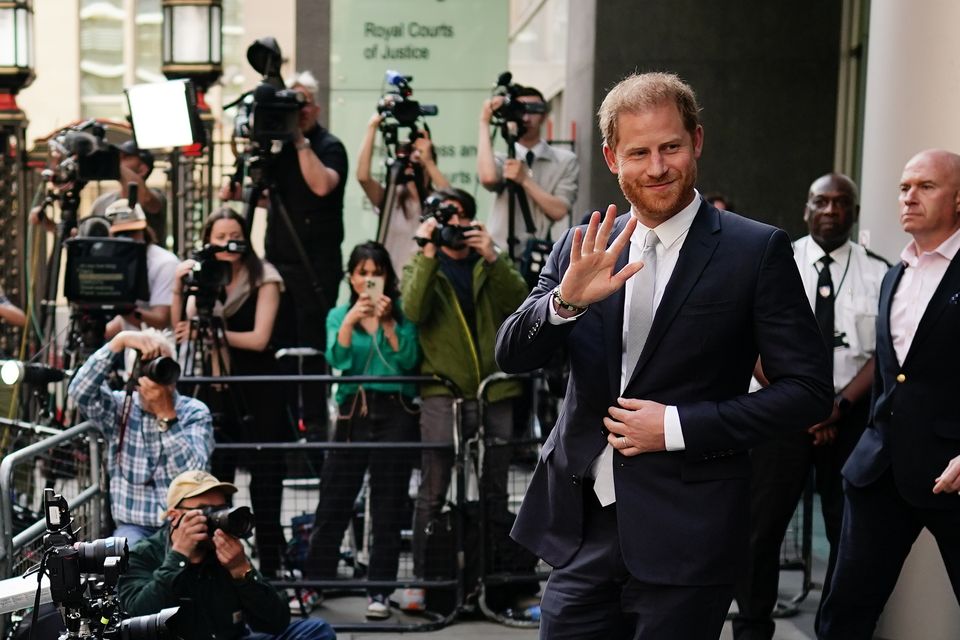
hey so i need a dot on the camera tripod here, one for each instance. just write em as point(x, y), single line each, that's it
point(515, 193)
point(396, 164)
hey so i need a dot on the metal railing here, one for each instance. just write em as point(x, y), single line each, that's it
point(86, 502)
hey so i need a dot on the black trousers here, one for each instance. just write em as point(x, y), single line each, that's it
point(780, 471)
point(595, 597)
point(879, 528)
point(387, 420)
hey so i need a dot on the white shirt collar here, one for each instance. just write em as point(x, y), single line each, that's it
point(671, 230)
point(815, 252)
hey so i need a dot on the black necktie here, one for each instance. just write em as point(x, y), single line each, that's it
point(530, 158)
point(823, 309)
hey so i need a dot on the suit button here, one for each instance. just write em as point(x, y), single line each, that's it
point(901, 378)
point(575, 479)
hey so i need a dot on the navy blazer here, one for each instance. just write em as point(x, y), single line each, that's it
point(734, 294)
point(915, 418)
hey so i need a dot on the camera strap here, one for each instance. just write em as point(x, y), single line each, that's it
point(126, 408)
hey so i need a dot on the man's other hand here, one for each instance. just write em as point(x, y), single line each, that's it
point(149, 345)
point(230, 554)
point(949, 480)
point(480, 240)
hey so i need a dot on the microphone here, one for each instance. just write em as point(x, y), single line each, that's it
point(132, 194)
point(14, 371)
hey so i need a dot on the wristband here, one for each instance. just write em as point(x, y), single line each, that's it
point(566, 306)
point(303, 144)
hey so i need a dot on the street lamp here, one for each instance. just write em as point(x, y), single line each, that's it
point(16, 50)
point(192, 43)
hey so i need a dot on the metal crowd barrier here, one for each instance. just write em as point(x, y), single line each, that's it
point(300, 497)
point(79, 450)
point(493, 576)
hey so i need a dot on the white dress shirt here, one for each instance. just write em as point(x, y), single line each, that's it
point(672, 234)
point(920, 279)
point(857, 277)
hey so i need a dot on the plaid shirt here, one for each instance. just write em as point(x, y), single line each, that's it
point(151, 458)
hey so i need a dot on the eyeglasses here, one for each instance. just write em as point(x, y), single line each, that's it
point(822, 203)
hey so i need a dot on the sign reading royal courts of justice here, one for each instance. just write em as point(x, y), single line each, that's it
point(453, 49)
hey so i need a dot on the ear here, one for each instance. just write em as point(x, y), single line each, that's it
point(697, 141)
point(611, 157)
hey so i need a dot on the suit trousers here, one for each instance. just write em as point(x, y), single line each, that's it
point(780, 471)
point(594, 596)
point(879, 528)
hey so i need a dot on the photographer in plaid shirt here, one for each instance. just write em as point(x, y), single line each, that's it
point(166, 434)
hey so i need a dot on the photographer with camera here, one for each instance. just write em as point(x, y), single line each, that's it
point(245, 293)
point(458, 290)
point(310, 176)
point(420, 159)
point(197, 557)
point(136, 165)
point(161, 266)
point(547, 176)
point(152, 437)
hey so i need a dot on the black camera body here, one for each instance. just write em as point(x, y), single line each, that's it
point(87, 155)
point(209, 275)
point(512, 109)
point(274, 114)
point(398, 104)
point(83, 579)
point(235, 521)
point(445, 234)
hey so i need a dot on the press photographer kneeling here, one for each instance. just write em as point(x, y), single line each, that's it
point(195, 558)
point(153, 433)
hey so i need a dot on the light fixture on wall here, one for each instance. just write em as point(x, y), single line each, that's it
point(16, 50)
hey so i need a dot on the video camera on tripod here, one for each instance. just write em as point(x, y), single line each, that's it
point(83, 578)
point(399, 109)
point(209, 275)
point(269, 115)
point(86, 155)
point(512, 109)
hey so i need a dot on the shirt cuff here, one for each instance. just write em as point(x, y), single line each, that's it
point(672, 433)
point(553, 317)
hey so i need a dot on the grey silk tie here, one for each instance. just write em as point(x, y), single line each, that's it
point(641, 301)
point(641, 318)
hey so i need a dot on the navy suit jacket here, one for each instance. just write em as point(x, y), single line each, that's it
point(915, 420)
point(682, 516)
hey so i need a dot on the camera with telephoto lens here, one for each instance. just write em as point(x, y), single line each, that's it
point(512, 109)
point(83, 579)
point(444, 234)
point(209, 275)
point(163, 370)
point(235, 521)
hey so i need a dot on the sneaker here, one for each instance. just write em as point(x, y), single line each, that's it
point(413, 600)
point(305, 601)
point(378, 607)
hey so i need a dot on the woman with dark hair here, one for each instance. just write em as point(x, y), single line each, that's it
point(247, 306)
point(368, 336)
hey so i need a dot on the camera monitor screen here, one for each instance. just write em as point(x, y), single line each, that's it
point(164, 114)
point(106, 271)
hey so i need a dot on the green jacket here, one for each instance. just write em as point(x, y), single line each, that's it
point(217, 606)
point(430, 302)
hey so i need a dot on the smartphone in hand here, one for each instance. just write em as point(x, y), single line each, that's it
point(374, 288)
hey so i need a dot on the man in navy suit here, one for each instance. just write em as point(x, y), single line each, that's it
point(904, 473)
point(640, 499)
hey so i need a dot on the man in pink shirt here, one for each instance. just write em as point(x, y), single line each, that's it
point(904, 474)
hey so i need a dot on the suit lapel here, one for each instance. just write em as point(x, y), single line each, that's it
point(698, 248)
point(949, 286)
point(612, 315)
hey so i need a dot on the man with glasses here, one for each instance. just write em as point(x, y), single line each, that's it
point(842, 281)
point(227, 598)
